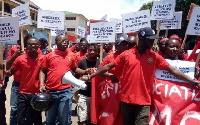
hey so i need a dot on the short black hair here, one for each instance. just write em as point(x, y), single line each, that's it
point(83, 39)
point(43, 40)
point(92, 44)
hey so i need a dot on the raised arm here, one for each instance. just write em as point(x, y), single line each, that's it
point(174, 71)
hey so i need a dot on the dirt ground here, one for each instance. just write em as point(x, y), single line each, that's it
point(8, 90)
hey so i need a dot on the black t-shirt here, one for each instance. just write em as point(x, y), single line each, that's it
point(84, 64)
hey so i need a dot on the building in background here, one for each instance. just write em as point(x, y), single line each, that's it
point(73, 20)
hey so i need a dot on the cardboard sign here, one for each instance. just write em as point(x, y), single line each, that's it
point(81, 31)
point(9, 29)
point(102, 32)
point(162, 10)
point(174, 23)
point(134, 21)
point(174, 103)
point(191, 9)
point(118, 24)
point(184, 66)
point(51, 19)
point(23, 13)
point(194, 24)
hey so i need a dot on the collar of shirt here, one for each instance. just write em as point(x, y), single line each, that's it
point(135, 50)
point(61, 53)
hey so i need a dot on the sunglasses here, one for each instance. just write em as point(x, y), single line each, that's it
point(65, 40)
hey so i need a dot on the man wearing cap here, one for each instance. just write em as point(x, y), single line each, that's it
point(138, 72)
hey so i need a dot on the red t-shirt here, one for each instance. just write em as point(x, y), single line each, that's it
point(108, 59)
point(138, 73)
point(57, 63)
point(80, 56)
point(10, 53)
point(29, 73)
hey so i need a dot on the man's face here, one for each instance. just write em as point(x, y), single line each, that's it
point(121, 47)
point(92, 52)
point(62, 42)
point(32, 45)
point(83, 46)
point(43, 45)
point(107, 47)
point(149, 43)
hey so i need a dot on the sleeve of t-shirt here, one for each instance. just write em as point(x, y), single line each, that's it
point(80, 64)
point(44, 62)
point(105, 61)
point(74, 62)
point(9, 54)
point(119, 61)
point(16, 64)
point(161, 63)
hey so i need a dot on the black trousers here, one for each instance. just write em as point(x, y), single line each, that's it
point(26, 115)
point(2, 107)
point(135, 114)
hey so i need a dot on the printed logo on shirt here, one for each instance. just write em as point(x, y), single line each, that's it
point(150, 60)
point(69, 58)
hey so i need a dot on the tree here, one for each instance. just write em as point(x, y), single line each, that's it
point(181, 5)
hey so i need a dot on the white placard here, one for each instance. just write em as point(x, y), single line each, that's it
point(81, 31)
point(190, 51)
point(162, 10)
point(185, 66)
point(51, 19)
point(174, 23)
point(194, 24)
point(134, 21)
point(58, 32)
point(118, 25)
point(103, 32)
point(9, 29)
point(23, 13)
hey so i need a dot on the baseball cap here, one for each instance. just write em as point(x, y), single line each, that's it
point(120, 40)
point(148, 33)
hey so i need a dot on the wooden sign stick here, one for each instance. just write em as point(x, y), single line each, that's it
point(166, 33)
point(101, 53)
point(22, 38)
point(1, 43)
point(50, 41)
point(158, 32)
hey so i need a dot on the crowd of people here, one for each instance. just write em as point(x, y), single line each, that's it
point(131, 65)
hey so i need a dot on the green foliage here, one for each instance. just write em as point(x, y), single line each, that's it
point(181, 5)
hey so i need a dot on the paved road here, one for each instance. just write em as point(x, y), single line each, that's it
point(8, 89)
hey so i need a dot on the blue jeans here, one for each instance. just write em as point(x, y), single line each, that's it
point(13, 103)
point(60, 111)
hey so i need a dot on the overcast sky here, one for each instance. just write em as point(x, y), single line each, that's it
point(93, 9)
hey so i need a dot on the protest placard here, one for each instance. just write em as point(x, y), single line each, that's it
point(58, 32)
point(9, 29)
point(174, 23)
point(162, 10)
point(81, 31)
point(194, 24)
point(51, 19)
point(102, 32)
point(184, 66)
point(118, 25)
point(191, 9)
point(134, 21)
point(23, 13)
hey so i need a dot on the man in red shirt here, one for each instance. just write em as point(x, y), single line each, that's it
point(55, 64)
point(28, 65)
point(13, 53)
point(83, 49)
point(138, 72)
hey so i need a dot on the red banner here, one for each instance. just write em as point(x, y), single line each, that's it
point(175, 103)
point(105, 102)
